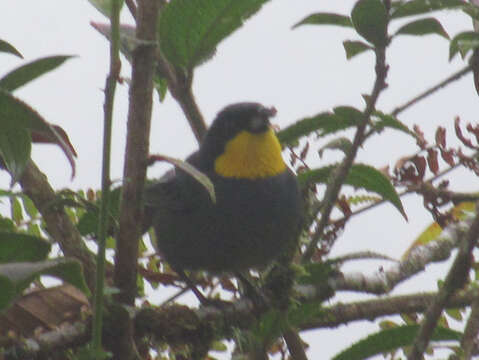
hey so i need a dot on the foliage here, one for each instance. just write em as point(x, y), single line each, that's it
point(189, 33)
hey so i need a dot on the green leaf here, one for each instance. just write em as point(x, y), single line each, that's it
point(15, 277)
point(322, 124)
point(325, 19)
point(15, 114)
point(16, 247)
point(389, 121)
point(417, 7)
point(354, 48)
point(423, 27)
point(28, 72)
point(6, 224)
point(189, 31)
point(190, 170)
point(104, 6)
point(15, 145)
point(341, 143)
point(392, 339)
point(360, 176)
point(88, 223)
point(370, 19)
point(303, 313)
point(316, 273)
point(29, 206)
point(16, 210)
point(9, 48)
point(463, 43)
point(161, 86)
point(8, 292)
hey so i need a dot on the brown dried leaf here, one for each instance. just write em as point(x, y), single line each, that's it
point(459, 134)
point(448, 156)
point(432, 159)
point(421, 141)
point(474, 130)
point(441, 137)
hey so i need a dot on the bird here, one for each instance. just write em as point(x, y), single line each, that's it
point(257, 214)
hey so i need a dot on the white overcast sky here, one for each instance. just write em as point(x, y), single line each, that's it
point(301, 72)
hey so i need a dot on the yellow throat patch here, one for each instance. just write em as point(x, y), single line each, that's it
point(251, 156)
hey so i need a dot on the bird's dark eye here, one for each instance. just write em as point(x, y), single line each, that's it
point(258, 124)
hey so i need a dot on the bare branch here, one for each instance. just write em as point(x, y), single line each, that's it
point(469, 340)
point(337, 179)
point(59, 226)
point(456, 278)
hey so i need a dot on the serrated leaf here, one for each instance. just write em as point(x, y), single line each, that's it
point(342, 143)
point(322, 124)
point(370, 20)
point(354, 48)
point(391, 339)
point(189, 31)
point(417, 7)
point(325, 19)
point(389, 121)
point(28, 72)
point(6, 47)
point(360, 176)
point(463, 43)
point(17, 276)
point(423, 27)
point(16, 247)
point(14, 113)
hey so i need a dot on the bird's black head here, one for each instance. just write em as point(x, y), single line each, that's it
point(232, 120)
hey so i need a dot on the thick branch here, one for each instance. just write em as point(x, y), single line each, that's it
point(383, 281)
point(469, 340)
point(35, 184)
point(456, 278)
point(137, 144)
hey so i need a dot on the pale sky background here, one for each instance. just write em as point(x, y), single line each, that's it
point(301, 72)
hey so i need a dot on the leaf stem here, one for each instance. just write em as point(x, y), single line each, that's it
point(110, 87)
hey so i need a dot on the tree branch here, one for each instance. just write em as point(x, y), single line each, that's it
point(469, 340)
point(134, 172)
point(432, 90)
point(337, 179)
point(35, 184)
point(456, 278)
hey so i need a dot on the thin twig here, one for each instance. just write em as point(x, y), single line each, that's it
point(110, 87)
point(59, 225)
point(342, 170)
point(456, 278)
point(432, 90)
point(132, 7)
